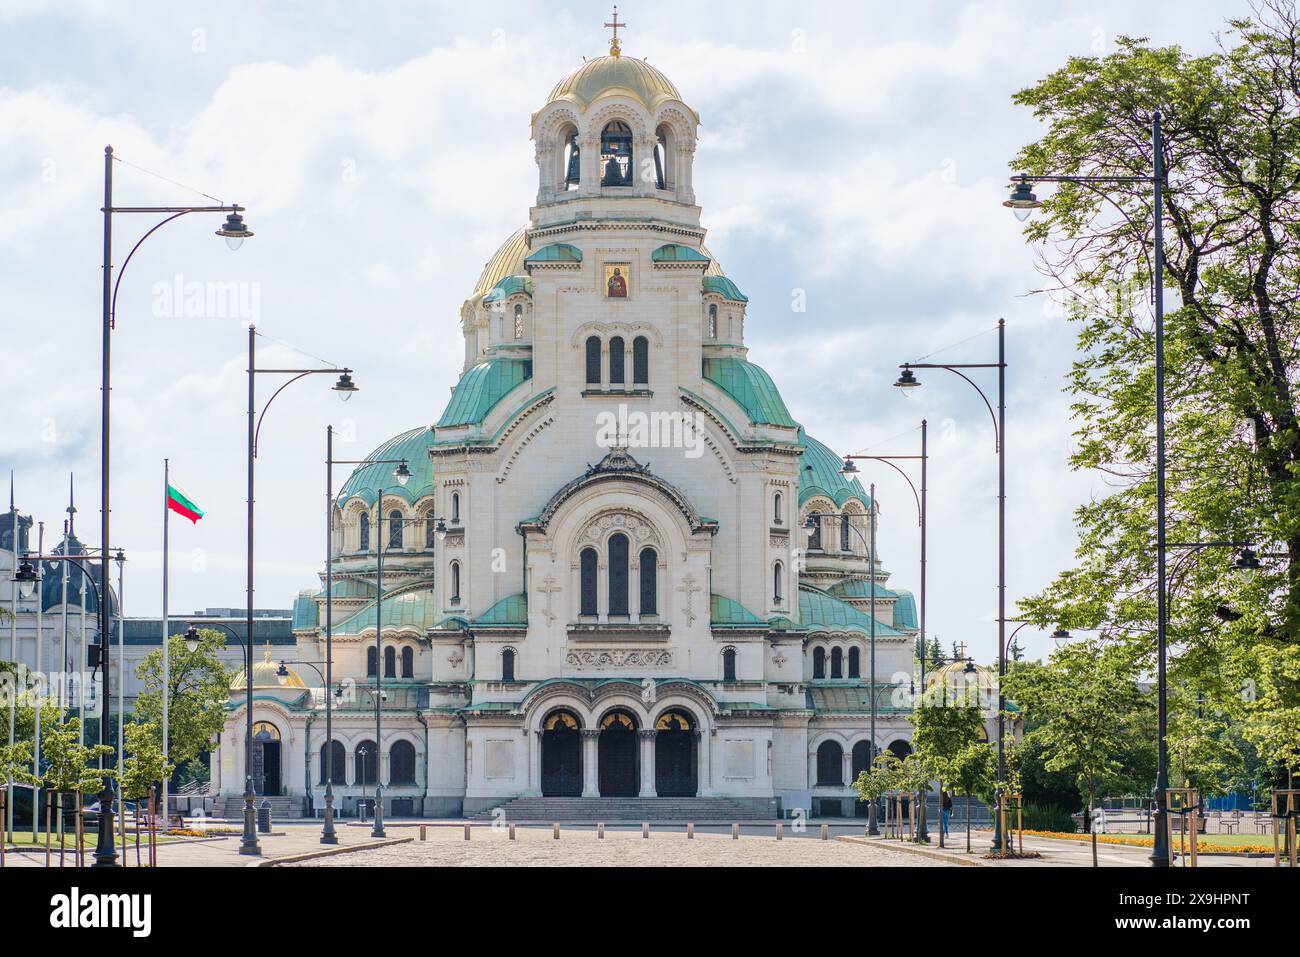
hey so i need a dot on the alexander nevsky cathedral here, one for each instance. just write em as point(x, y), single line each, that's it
point(600, 579)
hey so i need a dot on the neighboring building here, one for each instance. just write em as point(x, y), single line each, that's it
point(592, 580)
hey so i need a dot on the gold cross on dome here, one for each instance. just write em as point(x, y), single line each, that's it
point(614, 50)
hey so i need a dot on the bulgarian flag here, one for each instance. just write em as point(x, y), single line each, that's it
point(178, 503)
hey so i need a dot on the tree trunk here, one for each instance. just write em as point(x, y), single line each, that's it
point(967, 822)
point(942, 820)
point(1092, 798)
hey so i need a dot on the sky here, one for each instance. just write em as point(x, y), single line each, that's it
point(852, 157)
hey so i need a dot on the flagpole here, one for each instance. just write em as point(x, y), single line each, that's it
point(64, 670)
point(81, 657)
point(40, 692)
point(166, 688)
point(13, 649)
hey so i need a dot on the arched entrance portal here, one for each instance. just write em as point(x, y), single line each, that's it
point(266, 759)
point(561, 755)
point(617, 755)
point(675, 762)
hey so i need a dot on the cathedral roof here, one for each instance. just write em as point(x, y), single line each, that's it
point(752, 389)
point(616, 75)
point(413, 610)
point(511, 611)
point(819, 474)
point(366, 479)
point(727, 612)
point(266, 675)
point(820, 611)
point(481, 388)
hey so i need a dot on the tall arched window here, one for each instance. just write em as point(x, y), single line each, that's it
point(508, 665)
point(364, 543)
point(729, 664)
point(367, 758)
point(430, 529)
point(395, 530)
point(455, 582)
point(519, 321)
point(861, 758)
point(649, 572)
point(372, 659)
point(616, 154)
point(334, 757)
point(815, 535)
point(587, 572)
point(855, 663)
point(777, 576)
point(640, 361)
point(819, 662)
point(777, 501)
point(616, 358)
point(593, 360)
point(572, 161)
point(401, 763)
point(661, 160)
point(837, 663)
point(408, 663)
point(845, 544)
point(830, 763)
point(455, 508)
point(618, 557)
point(713, 320)
point(390, 662)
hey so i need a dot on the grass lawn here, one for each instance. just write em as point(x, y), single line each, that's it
point(24, 839)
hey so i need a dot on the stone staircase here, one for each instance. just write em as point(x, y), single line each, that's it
point(546, 810)
point(231, 807)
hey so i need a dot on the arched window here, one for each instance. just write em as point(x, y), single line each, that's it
point(713, 320)
point(729, 664)
point(395, 530)
point(430, 529)
point(815, 535)
point(616, 154)
point(861, 758)
point(837, 663)
point(819, 662)
point(508, 665)
point(618, 547)
point(640, 361)
point(593, 360)
point(367, 758)
point(401, 763)
point(333, 758)
point(587, 564)
point(372, 658)
point(455, 583)
point(845, 544)
point(519, 321)
point(616, 358)
point(649, 571)
point(572, 161)
point(777, 501)
point(408, 663)
point(777, 575)
point(455, 508)
point(830, 763)
point(364, 543)
point(390, 662)
point(855, 663)
point(661, 160)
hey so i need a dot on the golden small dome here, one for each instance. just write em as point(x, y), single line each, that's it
point(266, 675)
point(614, 75)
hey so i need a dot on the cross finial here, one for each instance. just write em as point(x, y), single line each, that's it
point(614, 50)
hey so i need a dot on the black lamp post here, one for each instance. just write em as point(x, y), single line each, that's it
point(907, 381)
point(234, 232)
point(1023, 202)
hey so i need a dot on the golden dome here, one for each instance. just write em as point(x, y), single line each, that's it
point(615, 75)
point(265, 675)
point(955, 676)
point(508, 260)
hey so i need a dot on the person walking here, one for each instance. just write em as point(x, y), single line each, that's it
point(947, 811)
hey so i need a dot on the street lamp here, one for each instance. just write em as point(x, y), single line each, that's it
point(345, 387)
point(850, 468)
point(1022, 202)
point(234, 233)
point(907, 381)
point(26, 578)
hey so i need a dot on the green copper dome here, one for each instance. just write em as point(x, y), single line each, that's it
point(481, 388)
point(820, 611)
point(752, 388)
point(366, 479)
point(819, 474)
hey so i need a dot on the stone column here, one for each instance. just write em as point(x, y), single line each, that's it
point(703, 747)
point(590, 774)
point(647, 736)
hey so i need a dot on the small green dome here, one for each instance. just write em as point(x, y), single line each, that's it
point(366, 479)
point(819, 474)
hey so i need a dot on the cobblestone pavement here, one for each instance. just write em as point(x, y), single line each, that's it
point(579, 847)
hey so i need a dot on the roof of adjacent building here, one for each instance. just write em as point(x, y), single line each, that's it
point(365, 480)
point(410, 610)
point(751, 388)
point(266, 674)
point(822, 611)
point(852, 698)
point(481, 388)
point(724, 287)
point(627, 75)
point(727, 612)
point(819, 474)
point(511, 611)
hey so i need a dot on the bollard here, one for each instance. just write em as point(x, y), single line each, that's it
point(424, 836)
point(690, 831)
point(600, 832)
point(555, 830)
point(467, 832)
point(826, 832)
point(735, 832)
point(645, 829)
point(779, 828)
point(512, 832)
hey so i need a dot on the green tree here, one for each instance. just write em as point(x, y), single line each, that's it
point(1086, 704)
point(941, 730)
point(879, 779)
point(973, 772)
point(200, 688)
point(145, 767)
